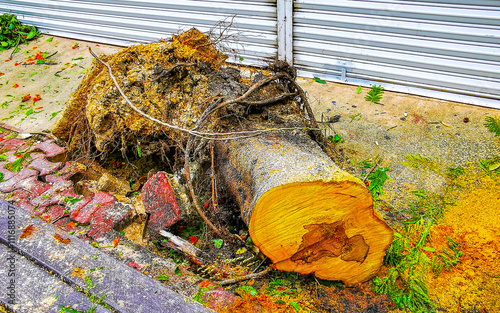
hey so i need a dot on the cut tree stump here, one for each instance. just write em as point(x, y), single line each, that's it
point(303, 211)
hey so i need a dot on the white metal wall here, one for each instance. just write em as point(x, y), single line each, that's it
point(125, 22)
point(423, 47)
point(448, 49)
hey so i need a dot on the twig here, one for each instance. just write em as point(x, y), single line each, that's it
point(17, 44)
point(191, 188)
point(214, 41)
point(50, 55)
point(181, 244)
point(269, 101)
point(242, 278)
point(260, 264)
point(370, 171)
point(215, 205)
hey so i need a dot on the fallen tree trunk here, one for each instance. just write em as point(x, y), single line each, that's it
point(303, 212)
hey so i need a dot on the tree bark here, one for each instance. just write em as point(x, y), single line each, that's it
point(304, 212)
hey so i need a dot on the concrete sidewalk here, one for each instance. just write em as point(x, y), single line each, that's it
point(50, 266)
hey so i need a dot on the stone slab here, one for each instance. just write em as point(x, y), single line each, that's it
point(28, 288)
point(126, 289)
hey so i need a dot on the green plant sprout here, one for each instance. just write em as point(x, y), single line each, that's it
point(493, 125)
point(417, 161)
point(375, 94)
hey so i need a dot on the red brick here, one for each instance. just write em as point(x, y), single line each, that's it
point(6, 174)
point(97, 232)
point(159, 202)
point(78, 205)
point(33, 185)
point(8, 185)
point(55, 195)
point(26, 205)
point(49, 147)
point(69, 169)
point(44, 167)
point(22, 198)
point(101, 200)
point(53, 213)
point(67, 225)
point(218, 298)
point(58, 182)
point(11, 143)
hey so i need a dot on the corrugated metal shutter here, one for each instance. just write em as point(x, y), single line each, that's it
point(125, 22)
point(422, 47)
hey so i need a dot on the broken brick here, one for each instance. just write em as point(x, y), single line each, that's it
point(109, 218)
point(58, 182)
point(101, 200)
point(76, 206)
point(44, 167)
point(8, 185)
point(49, 148)
point(159, 201)
point(21, 198)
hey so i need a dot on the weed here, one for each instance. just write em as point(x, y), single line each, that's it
point(336, 139)
point(92, 298)
point(16, 166)
point(365, 164)
point(446, 260)
point(355, 117)
point(162, 277)
point(493, 125)
point(359, 90)
point(318, 80)
point(455, 172)
point(377, 180)
point(417, 161)
point(420, 193)
point(490, 166)
point(408, 256)
point(405, 283)
point(375, 94)
point(71, 200)
point(13, 32)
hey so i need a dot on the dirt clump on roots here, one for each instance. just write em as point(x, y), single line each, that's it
point(161, 79)
point(173, 81)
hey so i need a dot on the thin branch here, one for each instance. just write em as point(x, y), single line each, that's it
point(215, 203)
point(17, 44)
point(242, 278)
point(221, 33)
point(191, 187)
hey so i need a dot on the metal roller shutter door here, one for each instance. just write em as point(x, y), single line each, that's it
point(446, 49)
point(127, 22)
